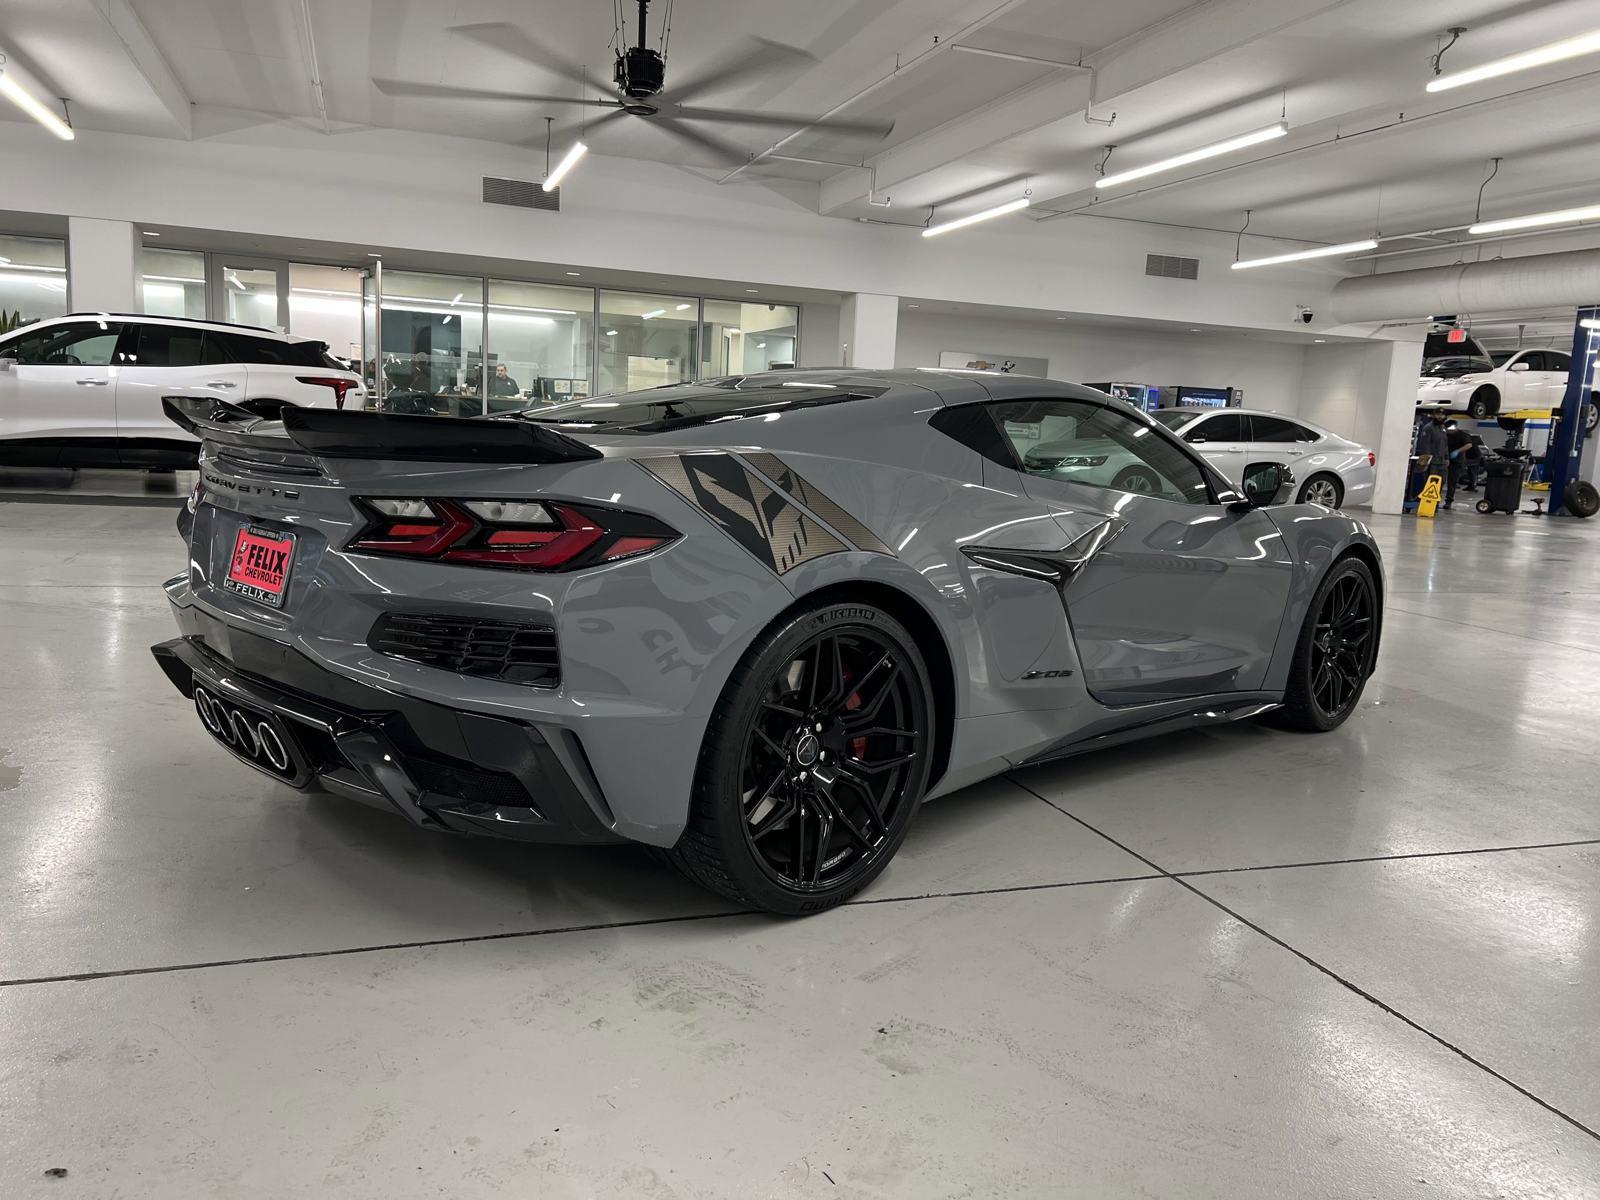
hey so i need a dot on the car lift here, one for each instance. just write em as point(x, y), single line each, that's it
point(1565, 452)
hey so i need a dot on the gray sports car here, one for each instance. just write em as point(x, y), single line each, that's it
point(754, 621)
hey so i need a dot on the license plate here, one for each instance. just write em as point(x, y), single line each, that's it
point(260, 565)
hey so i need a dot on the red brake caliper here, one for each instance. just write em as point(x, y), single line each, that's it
point(858, 745)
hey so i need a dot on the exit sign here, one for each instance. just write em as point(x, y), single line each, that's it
point(1456, 335)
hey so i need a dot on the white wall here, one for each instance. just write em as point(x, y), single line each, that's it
point(1367, 391)
point(102, 265)
point(364, 188)
point(1269, 372)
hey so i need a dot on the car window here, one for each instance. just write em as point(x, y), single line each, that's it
point(1556, 360)
point(1533, 358)
point(78, 344)
point(167, 346)
point(1075, 441)
point(1222, 427)
point(1276, 429)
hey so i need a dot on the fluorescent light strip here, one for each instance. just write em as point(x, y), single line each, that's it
point(1301, 255)
point(1565, 216)
point(1589, 323)
point(13, 91)
point(1255, 137)
point(1576, 47)
point(566, 164)
point(650, 316)
point(987, 214)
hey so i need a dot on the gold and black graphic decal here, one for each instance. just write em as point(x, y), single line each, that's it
point(761, 520)
point(791, 481)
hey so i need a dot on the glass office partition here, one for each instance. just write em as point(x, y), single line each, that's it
point(433, 343)
point(737, 338)
point(646, 340)
point(325, 304)
point(173, 282)
point(33, 277)
point(369, 332)
point(540, 338)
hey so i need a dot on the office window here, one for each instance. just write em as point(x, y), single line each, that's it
point(433, 343)
point(173, 282)
point(33, 277)
point(738, 338)
point(540, 338)
point(646, 340)
point(325, 304)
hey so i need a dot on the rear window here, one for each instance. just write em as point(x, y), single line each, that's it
point(682, 406)
point(1173, 418)
point(242, 348)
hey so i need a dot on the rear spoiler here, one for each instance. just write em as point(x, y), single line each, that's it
point(330, 433)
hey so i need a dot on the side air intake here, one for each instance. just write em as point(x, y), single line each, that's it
point(519, 193)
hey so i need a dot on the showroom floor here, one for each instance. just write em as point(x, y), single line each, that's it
point(1230, 963)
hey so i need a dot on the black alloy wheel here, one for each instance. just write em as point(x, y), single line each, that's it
point(1335, 652)
point(816, 760)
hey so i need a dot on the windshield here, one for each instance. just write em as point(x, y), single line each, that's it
point(1173, 418)
point(1501, 357)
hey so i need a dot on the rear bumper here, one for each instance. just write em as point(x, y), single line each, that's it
point(441, 768)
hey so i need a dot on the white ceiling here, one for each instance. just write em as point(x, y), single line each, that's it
point(1369, 150)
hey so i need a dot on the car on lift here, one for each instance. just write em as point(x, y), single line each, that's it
point(752, 622)
point(1331, 470)
point(85, 390)
point(1508, 381)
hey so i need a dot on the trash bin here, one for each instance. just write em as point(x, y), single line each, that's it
point(1502, 485)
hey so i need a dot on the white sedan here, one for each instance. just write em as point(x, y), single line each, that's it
point(1513, 379)
point(1328, 469)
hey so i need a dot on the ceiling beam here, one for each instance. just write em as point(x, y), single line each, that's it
point(1187, 39)
point(150, 63)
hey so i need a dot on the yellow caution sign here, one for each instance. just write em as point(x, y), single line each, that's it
point(1432, 493)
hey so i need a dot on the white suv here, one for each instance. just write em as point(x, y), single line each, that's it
point(85, 390)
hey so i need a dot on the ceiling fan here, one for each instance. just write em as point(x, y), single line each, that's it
point(639, 74)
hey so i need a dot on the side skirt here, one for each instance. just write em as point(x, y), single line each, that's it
point(1204, 710)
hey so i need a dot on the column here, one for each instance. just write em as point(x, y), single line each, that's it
point(1392, 390)
point(867, 324)
point(102, 265)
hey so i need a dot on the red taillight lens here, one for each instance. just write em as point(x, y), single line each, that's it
point(1372, 459)
point(339, 386)
point(516, 534)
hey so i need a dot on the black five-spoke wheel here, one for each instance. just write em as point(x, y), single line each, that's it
point(816, 760)
point(1336, 649)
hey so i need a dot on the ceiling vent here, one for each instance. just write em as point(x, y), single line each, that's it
point(1162, 266)
point(519, 193)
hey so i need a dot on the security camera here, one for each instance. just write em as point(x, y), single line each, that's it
point(1304, 314)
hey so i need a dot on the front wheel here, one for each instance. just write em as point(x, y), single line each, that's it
point(1484, 404)
point(814, 762)
point(1335, 652)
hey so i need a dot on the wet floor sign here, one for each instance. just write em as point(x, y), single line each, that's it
point(1432, 491)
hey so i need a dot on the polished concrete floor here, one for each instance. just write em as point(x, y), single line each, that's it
point(1237, 963)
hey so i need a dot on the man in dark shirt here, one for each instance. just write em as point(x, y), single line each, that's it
point(1433, 450)
point(501, 384)
point(1459, 444)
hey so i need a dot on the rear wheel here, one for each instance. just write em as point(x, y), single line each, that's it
point(1591, 414)
point(1325, 490)
point(1136, 479)
point(1335, 652)
point(816, 758)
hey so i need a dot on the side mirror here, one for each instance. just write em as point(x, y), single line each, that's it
point(1267, 483)
point(1196, 439)
point(6, 364)
point(1520, 366)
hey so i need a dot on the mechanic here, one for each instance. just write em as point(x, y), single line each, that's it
point(1459, 443)
point(1433, 450)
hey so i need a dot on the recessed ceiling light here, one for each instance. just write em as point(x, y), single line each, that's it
point(373, 254)
point(681, 307)
point(151, 233)
point(913, 306)
point(752, 291)
point(574, 273)
point(1319, 339)
point(611, 333)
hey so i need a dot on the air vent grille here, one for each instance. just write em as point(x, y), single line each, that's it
point(1165, 266)
point(505, 650)
point(519, 193)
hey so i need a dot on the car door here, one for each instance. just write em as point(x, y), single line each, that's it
point(1184, 596)
point(1223, 440)
point(1524, 382)
point(1274, 439)
point(1557, 364)
point(165, 360)
point(57, 403)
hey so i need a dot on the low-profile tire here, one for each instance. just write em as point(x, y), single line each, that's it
point(791, 818)
point(1334, 654)
point(1324, 489)
point(1581, 499)
point(1484, 404)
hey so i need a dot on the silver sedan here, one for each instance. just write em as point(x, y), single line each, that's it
point(1330, 470)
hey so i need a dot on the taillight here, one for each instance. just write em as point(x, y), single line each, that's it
point(1372, 459)
point(339, 386)
point(525, 535)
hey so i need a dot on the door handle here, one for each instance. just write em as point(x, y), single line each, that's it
point(93, 382)
point(221, 383)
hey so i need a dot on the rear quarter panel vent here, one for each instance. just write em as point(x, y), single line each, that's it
point(1167, 266)
point(519, 193)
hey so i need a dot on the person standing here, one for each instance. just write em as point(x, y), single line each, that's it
point(1433, 449)
point(1458, 442)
